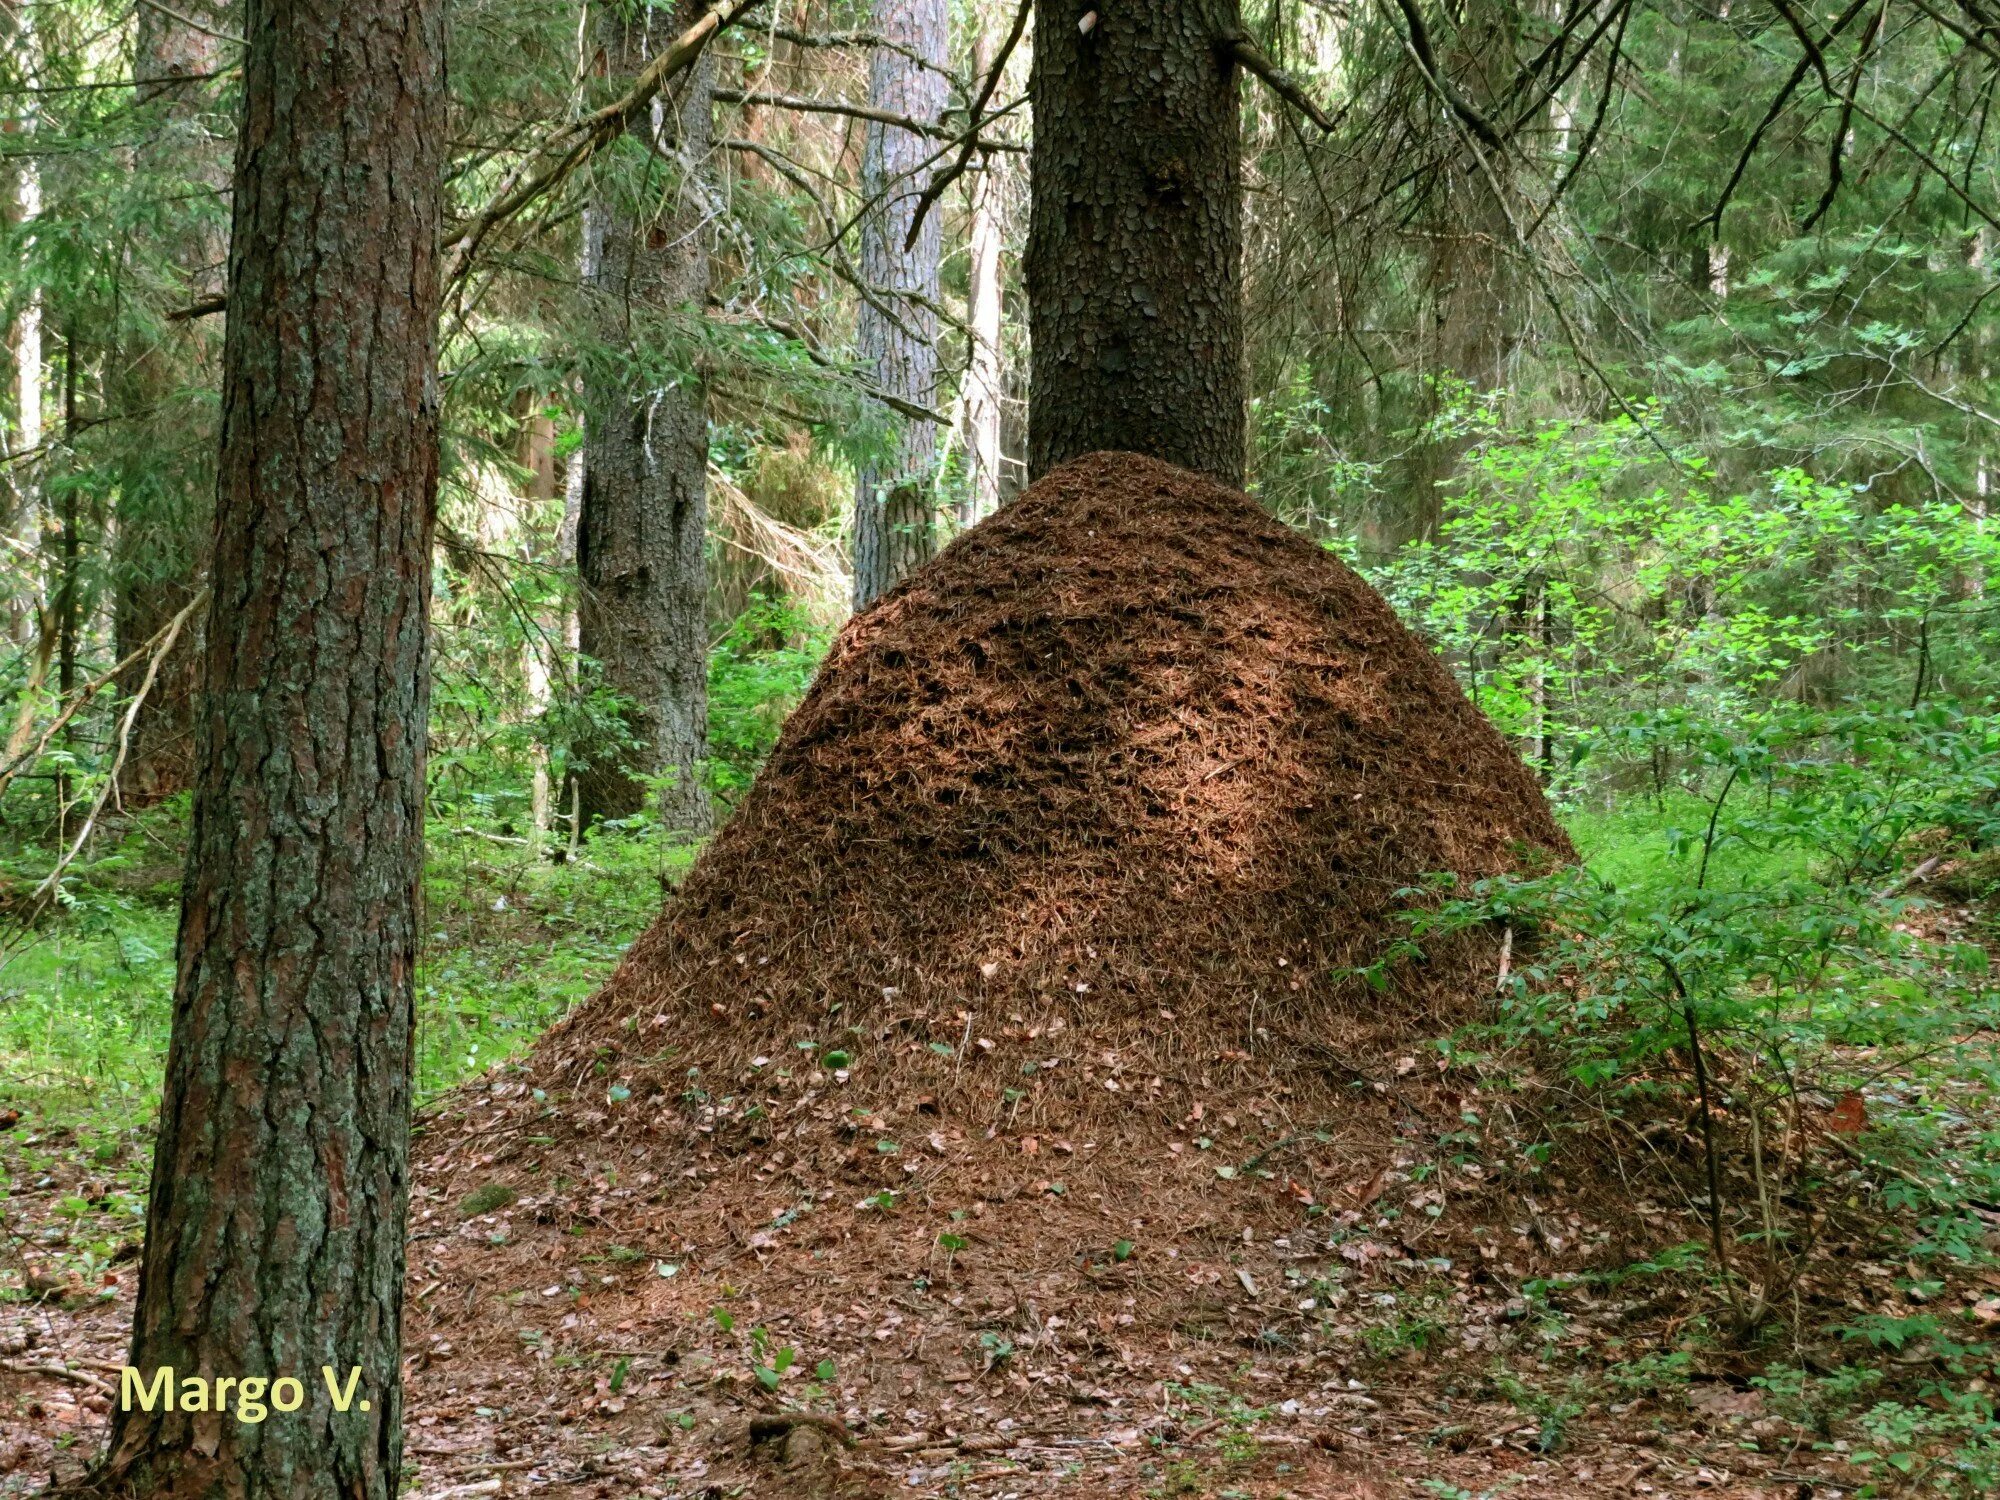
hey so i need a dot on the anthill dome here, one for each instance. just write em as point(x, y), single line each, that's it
point(1130, 753)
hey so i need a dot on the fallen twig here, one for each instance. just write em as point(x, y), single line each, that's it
point(1917, 876)
point(57, 1372)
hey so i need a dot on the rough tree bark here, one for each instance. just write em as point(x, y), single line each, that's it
point(897, 324)
point(275, 1232)
point(644, 517)
point(1135, 240)
point(160, 518)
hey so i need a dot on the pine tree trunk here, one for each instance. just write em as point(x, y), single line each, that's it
point(644, 520)
point(985, 377)
point(155, 553)
point(893, 526)
point(1135, 244)
point(275, 1232)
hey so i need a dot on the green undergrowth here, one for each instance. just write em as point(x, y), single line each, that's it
point(512, 940)
point(1768, 998)
point(514, 933)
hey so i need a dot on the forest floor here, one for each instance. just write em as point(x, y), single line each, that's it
point(598, 1342)
point(593, 1373)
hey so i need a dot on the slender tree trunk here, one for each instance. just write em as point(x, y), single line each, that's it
point(985, 375)
point(893, 527)
point(65, 568)
point(643, 525)
point(275, 1232)
point(1135, 244)
point(569, 792)
point(537, 456)
point(24, 525)
point(155, 552)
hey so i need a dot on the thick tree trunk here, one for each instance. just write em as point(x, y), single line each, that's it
point(985, 377)
point(275, 1233)
point(155, 551)
point(1135, 243)
point(644, 520)
point(893, 525)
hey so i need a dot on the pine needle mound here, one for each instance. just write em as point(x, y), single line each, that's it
point(1007, 1053)
point(1130, 760)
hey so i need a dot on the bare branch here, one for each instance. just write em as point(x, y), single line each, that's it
point(853, 112)
point(193, 25)
point(1813, 54)
point(838, 39)
point(1258, 62)
point(576, 145)
point(18, 758)
point(935, 189)
point(1930, 162)
point(1837, 151)
point(165, 643)
point(1596, 124)
point(1713, 218)
point(1420, 48)
point(895, 403)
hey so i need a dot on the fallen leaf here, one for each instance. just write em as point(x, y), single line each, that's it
point(1849, 1116)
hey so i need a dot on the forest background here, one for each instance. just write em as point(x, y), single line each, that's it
point(1641, 354)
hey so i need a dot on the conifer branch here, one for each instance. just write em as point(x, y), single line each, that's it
point(1256, 61)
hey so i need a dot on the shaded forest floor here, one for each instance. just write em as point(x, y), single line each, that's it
point(1413, 1330)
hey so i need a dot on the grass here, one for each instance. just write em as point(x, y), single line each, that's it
point(1624, 844)
point(512, 941)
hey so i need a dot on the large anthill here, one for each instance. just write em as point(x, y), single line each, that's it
point(1106, 805)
